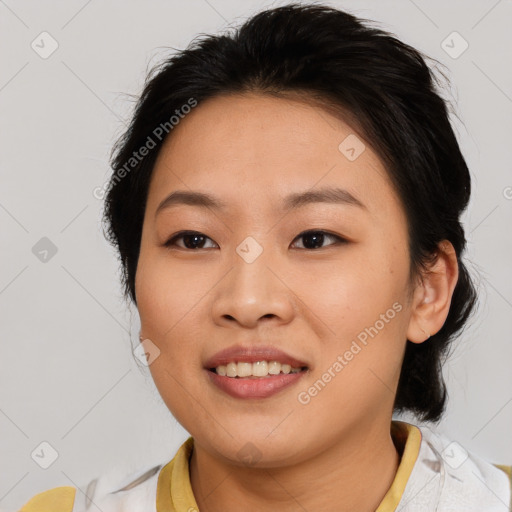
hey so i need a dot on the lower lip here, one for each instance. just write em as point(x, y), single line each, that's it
point(259, 387)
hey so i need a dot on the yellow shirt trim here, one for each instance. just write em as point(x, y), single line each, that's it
point(58, 499)
point(507, 469)
point(409, 436)
point(174, 491)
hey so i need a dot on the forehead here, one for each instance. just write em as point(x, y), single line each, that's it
point(257, 148)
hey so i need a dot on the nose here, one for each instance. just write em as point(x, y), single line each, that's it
point(252, 293)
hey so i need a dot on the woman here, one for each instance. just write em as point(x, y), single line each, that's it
point(286, 204)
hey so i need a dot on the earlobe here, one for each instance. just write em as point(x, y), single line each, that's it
point(433, 295)
point(419, 326)
point(427, 334)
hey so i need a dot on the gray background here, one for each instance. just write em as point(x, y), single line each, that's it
point(67, 373)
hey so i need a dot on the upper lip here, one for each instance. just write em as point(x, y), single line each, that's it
point(239, 353)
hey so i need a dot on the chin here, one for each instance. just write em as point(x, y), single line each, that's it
point(256, 449)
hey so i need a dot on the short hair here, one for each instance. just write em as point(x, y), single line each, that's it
point(386, 91)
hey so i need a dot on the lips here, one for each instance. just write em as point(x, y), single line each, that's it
point(240, 354)
point(251, 387)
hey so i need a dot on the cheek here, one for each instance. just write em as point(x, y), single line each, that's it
point(172, 308)
point(169, 304)
point(360, 300)
point(351, 292)
point(164, 295)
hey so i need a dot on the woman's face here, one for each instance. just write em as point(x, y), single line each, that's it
point(249, 281)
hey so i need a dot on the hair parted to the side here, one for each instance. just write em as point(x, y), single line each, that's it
point(379, 85)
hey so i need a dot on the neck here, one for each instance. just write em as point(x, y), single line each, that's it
point(353, 474)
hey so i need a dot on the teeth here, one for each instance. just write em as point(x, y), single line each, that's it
point(274, 368)
point(244, 369)
point(231, 370)
point(256, 369)
point(259, 369)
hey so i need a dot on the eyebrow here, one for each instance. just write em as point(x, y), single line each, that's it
point(292, 201)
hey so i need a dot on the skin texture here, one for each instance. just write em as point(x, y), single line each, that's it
point(335, 452)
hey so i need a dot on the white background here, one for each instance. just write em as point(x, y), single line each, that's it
point(67, 373)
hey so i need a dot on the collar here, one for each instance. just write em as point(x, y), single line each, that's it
point(174, 491)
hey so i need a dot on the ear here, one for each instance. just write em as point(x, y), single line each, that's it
point(433, 295)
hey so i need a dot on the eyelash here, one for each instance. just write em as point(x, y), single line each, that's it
point(172, 241)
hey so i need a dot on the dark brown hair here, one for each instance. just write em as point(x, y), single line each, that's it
point(366, 74)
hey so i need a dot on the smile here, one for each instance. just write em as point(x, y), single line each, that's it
point(257, 369)
point(254, 387)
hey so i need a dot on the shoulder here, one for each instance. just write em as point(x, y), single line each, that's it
point(58, 499)
point(464, 477)
point(122, 488)
point(110, 492)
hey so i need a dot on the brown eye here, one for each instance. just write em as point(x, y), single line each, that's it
point(315, 238)
point(191, 240)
